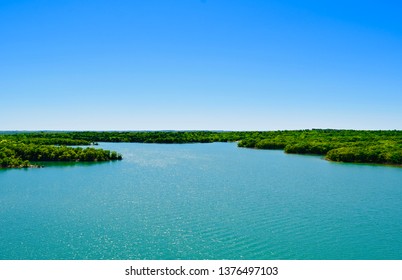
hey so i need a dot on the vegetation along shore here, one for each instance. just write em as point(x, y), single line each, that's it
point(23, 149)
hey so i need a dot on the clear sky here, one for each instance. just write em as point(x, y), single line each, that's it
point(192, 64)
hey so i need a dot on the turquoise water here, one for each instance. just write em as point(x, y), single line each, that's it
point(201, 201)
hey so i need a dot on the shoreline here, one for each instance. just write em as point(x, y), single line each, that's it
point(381, 147)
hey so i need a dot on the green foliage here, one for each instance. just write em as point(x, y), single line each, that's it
point(270, 144)
point(19, 154)
point(317, 148)
point(368, 154)
point(337, 145)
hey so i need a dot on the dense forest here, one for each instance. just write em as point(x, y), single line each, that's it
point(26, 150)
point(361, 146)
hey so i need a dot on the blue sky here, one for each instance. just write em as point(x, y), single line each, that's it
point(191, 64)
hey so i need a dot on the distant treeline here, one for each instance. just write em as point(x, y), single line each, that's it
point(384, 147)
point(362, 146)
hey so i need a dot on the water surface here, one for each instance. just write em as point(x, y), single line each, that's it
point(201, 201)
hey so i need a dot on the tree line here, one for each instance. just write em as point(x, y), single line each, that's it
point(362, 146)
point(14, 154)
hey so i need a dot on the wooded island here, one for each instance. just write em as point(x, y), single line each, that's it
point(23, 149)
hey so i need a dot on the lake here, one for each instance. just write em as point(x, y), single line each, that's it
point(201, 201)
